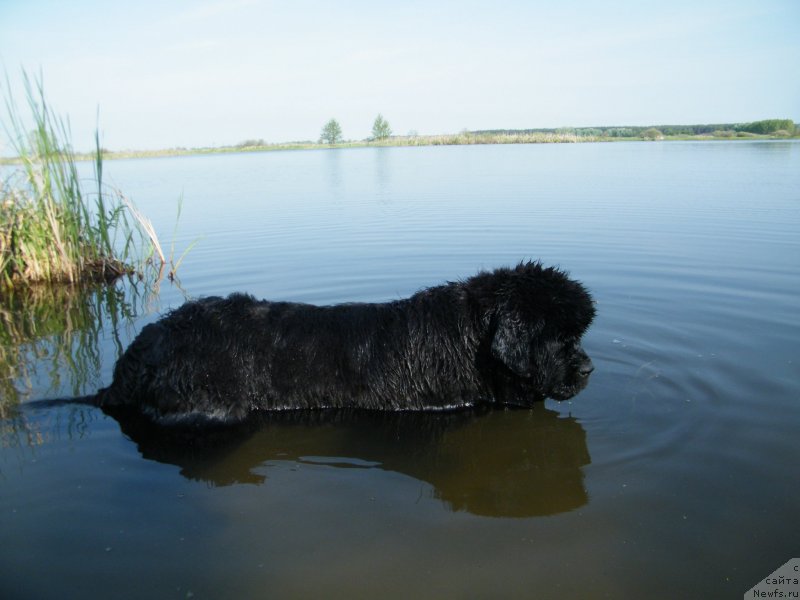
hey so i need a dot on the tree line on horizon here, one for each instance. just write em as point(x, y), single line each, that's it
point(331, 132)
point(764, 127)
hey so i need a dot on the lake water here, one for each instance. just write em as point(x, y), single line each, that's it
point(674, 474)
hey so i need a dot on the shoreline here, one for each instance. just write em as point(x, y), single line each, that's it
point(461, 139)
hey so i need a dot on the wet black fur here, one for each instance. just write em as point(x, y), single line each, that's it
point(510, 336)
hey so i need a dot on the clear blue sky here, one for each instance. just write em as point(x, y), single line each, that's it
point(220, 71)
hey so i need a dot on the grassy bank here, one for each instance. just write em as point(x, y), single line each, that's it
point(458, 139)
point(463, 138)
point(720, 131)
point(55, 227)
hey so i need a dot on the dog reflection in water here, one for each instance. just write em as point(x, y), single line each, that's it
point(485, 461)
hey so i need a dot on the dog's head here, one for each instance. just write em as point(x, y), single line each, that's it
point(538, 316)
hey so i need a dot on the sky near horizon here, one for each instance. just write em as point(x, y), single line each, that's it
point(216, 72)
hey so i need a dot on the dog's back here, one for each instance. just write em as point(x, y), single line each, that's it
point(221, 358)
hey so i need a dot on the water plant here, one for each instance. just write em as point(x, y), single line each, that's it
point(54, 227)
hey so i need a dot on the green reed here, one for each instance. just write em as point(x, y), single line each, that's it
point(52, 229)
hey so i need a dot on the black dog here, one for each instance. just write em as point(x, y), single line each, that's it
point(511, 336)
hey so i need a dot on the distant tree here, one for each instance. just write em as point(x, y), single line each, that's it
point(251, 143)
point(331, 132)
point(589, 131)
point(380, 128)
point(652, 134)
point(621, 132)
point(767, 126)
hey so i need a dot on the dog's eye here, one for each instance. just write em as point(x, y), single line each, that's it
point(571, 345)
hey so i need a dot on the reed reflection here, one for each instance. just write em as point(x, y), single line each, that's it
point(52, 338)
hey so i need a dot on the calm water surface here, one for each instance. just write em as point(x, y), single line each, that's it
point(674, 474)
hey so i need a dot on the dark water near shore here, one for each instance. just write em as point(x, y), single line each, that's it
point(674, 474)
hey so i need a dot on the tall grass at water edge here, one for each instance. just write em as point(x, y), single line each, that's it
point(52, 229)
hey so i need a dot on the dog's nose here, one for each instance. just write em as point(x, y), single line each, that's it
point(586, 367)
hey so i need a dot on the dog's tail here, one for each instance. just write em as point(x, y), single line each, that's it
point(132, 375)
point(91, 400)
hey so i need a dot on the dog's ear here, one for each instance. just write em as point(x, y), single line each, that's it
point(511, 344)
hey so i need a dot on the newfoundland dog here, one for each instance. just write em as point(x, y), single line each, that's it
point(505, 337)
